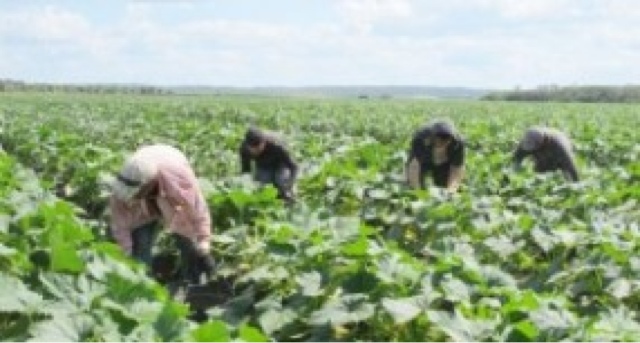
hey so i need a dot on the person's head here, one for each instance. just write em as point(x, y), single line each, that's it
point(255, 141)
point(443, 133)
point(136, 179)
point(533, 139)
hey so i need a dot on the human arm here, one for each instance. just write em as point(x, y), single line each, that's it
point(518, 156)
point(184, 207)
point(125, 217)
point(456, 173)
point(289, 163)
point(567, 162)
point(245, 160)
point(417, 151)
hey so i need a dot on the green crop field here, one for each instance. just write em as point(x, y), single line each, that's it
point(512, 256)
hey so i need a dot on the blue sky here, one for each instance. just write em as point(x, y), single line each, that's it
point(474, 43)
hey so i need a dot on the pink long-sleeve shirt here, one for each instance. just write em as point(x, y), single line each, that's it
point(180, 204)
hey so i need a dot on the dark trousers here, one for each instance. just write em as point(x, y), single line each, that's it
point(280, 178)
point(143, 239)
point(439, 174)
point(192, 264)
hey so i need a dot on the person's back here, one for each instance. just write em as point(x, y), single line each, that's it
point(438, 150)
point(274, 155)
point(274, 162)
point(550, 150)
point(156, 184)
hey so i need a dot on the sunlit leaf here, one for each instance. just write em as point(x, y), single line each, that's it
point(402, 310)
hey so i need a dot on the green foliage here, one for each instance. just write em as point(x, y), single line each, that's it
point(588, 94)
point(511, 257)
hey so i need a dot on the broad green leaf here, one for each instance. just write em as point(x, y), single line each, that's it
point(502, 245)
point(248, 333)
point(64, 258)
point(63, 328)
point(171, 324)
point(15, 327)
point(497, 277)
point(213, 331)
point(523, 331)
point(617, 324)
point(620, 288)
point(311, 284)
point(458, 328)
point(525, 302)
point(236, 310)
point(16, 297)
point(378, 194)
point(356, 249)
point(402, 310)
point(6, 251)
point(346, 309)
point(264, 273)
point(76, 294)
point(274, 320)
point(544, 240)
point(5, 220)
point(552, 319)
point(392, 270)
point(455, 290)
point(223, 239)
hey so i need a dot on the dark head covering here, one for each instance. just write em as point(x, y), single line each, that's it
point(532, 139)
point(254, 136)
point(444, 127)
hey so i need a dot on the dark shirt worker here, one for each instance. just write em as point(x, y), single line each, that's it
point(437, 150)
point(273, 162)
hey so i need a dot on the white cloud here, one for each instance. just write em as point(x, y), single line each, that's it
point(137, 47)
point(529, 9)
point(617, 9)
point(362, 15)
point(53, 30)
point(44, 24)
point(238, 33)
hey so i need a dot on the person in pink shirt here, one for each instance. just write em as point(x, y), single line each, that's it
point(157, 184)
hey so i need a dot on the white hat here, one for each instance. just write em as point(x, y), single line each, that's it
point(532, 139)
point(142, 167)
point(135, 173)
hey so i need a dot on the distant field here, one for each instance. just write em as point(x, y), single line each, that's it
point(513, 256)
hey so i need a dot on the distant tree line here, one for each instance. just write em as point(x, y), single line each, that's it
point(570, 94)
point(8, 85)
point(355, 91)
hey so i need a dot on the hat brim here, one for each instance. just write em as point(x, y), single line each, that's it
point(528, 146)
point(123, 191)
point(443, 128)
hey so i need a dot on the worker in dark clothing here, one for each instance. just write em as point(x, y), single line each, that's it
point(436, 149)
point(273, 161)
point(550, 149)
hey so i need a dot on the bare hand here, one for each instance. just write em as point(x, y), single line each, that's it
point(203, 247)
